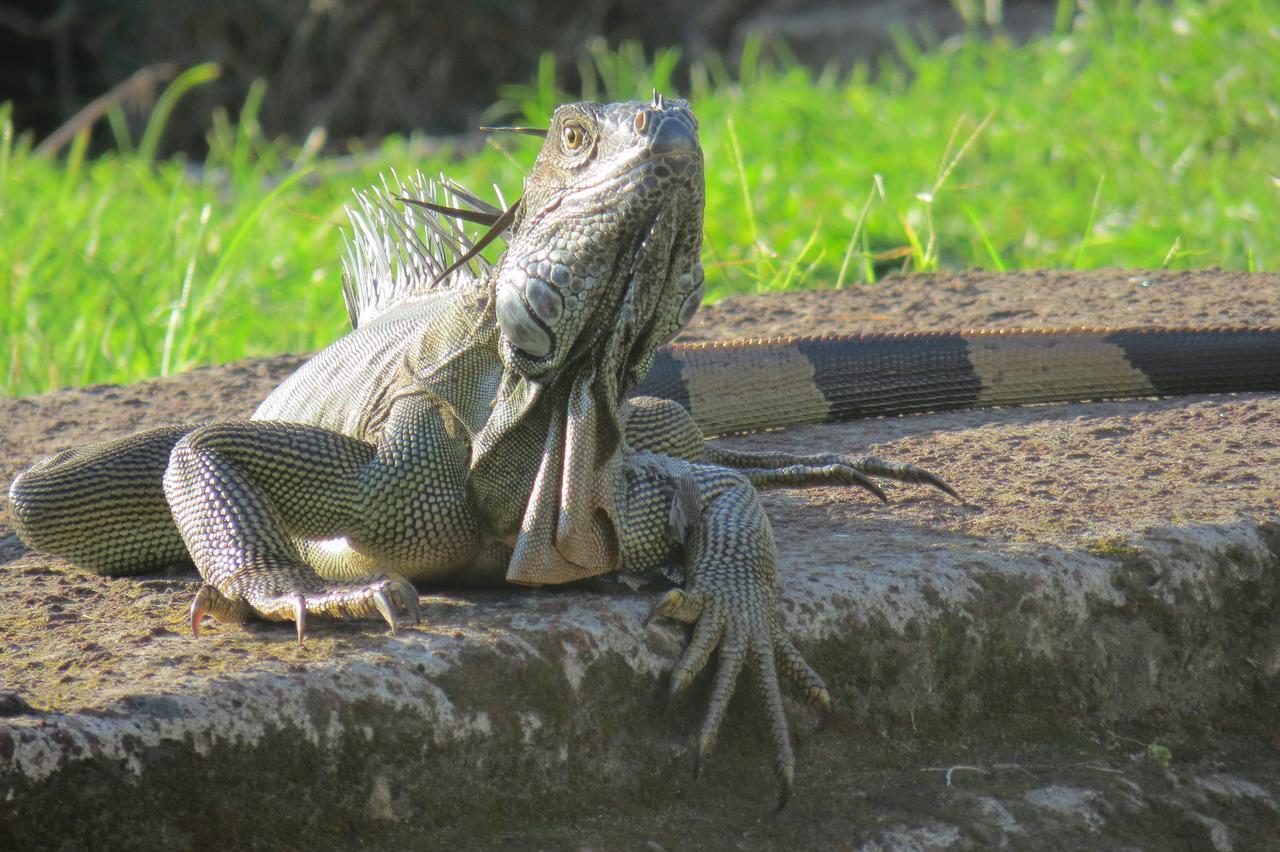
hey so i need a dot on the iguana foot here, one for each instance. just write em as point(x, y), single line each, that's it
point(390, 596)
point(774, 470)
point(717, 527)
point(897, 471)
point(745, 635)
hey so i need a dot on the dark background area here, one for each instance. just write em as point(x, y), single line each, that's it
point(365, 69)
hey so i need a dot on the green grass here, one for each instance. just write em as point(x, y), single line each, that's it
point(1140, 136)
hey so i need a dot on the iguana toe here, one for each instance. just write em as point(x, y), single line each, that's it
point(706, 636)
point(788, 783)
point(780, 470)
point(769, 695)
point(678, 604)
point(796, 670)
point(901, 472)
point(733, 658)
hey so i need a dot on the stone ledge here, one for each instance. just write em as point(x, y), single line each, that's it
point(526, 698)
point(1005, 671)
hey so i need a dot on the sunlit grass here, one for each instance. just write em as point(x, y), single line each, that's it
point(1138, 136)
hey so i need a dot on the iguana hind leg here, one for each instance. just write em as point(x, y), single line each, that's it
point(102, 506)
point(245, 494)
point(712, 519)
point(663, 426)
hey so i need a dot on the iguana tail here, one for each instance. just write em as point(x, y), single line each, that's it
point(748, 385)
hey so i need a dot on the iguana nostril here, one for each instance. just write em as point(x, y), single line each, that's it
point(673, 136)
point(642, 121)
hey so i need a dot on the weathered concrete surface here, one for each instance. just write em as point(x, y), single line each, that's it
point(1084, 655)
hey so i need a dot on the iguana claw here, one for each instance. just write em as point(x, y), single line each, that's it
point(199, 606)
point(730, 596)
point(866, 484)
point(788, 782)
point(383, 603)
point(300, 617)
point(392, 597)
point(405, 595)
point(209, 601)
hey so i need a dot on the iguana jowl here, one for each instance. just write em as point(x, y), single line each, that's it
point(476, 424)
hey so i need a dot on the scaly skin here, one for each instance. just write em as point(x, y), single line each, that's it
point(477, 416)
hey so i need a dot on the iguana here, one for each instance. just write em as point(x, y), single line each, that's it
point(524, 422)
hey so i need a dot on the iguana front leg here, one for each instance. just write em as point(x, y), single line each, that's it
point(711, 519)
point(663, 426)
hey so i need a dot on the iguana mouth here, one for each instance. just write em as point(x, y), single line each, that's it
point(664, 166)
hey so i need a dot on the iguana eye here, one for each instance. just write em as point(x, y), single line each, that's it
point(573, 137)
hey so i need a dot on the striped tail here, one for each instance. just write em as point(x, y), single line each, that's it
point(748, 385)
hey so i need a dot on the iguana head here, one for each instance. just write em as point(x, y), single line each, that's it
point(604, 252)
